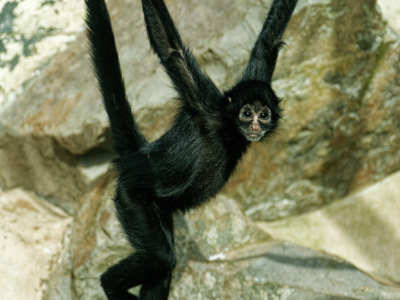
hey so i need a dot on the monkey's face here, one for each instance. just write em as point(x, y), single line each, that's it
point(254, 108)
point(254, 121)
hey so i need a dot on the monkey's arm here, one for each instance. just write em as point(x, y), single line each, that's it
point(195, 88)
point(125, 133)
point(265, 52)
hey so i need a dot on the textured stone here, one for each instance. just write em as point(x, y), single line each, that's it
point(391, 11)
point(98, 240)
point(340, 126)
point(232, 231)
point(363, 229)
point(35, 239)
point(39, 164)
point(283, 271)
point(31, 33)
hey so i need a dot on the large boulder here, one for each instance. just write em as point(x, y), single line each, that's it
point(363, 228)
point(278, 271)
point(35, 243)
point(339, 80)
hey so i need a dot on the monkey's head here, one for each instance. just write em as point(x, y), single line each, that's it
point(254, 109)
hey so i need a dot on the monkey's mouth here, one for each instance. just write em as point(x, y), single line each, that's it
point(254, 136)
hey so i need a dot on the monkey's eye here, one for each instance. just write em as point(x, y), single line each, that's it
point(247, 113)
point(265, 115)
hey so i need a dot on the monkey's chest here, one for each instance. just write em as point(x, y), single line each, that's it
point(210, 175)
point(190, 172)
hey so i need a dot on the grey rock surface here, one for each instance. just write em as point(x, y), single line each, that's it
point(363, 228)
point(283, 271)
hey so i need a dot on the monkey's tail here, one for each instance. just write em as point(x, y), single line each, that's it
point(125, 132)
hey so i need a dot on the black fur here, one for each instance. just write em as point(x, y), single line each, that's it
point(192, 161)
point(265, 52)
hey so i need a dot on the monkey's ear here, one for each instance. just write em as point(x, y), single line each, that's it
point(265, 52)
point(191, 83)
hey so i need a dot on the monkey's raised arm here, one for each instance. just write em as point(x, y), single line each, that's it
point(125, 133)
point(265, 52)
point(194, 87)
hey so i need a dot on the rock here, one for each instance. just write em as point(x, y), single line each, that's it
point(31, 34)
point(34, 101)
point(98, 240)
point(391, 11)
point(362, 228)
point(283, 271)
point(231, 229)
point(340, 127)
point(35, 239)
point(40, 165)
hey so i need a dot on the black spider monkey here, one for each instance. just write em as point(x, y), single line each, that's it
point(192, 161)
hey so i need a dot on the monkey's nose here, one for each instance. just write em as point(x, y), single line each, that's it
point(255, 127)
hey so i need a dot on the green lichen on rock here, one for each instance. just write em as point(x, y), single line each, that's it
point(7, 17)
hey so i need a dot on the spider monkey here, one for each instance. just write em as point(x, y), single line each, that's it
point(192, 161)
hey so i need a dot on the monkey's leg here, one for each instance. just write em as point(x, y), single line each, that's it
point(116, 282)
point(150, 232)
point(159, 289)
point(130, 272)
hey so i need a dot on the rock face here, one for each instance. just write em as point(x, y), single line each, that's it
point(283, 271)
point(363, 228)
point(342, 92)
point(35, 240)
point(326, 180)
